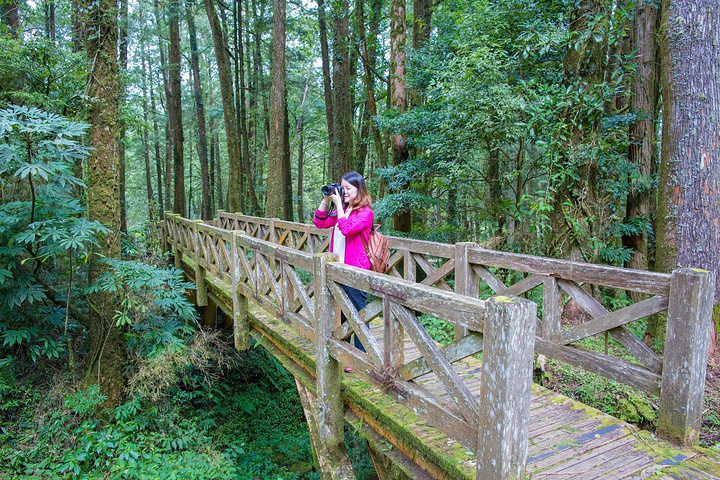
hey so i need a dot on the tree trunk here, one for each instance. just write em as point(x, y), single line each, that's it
point(276, 165)
point(175, 110)
point(327, 86)
point(107, 353)
point(247, 170)
point(298, 140)
point(368, 55)
point(200, 109)
point(156, 141)
point(301, 154)
point(688, 233)
point(123, 40)
point(422, 16)
point(146, 142)
point(398, 96)
point(342, 98)
point(642, 133)
point(494, 187)
point(226, 92)
point(167, 176)
point(50, 20)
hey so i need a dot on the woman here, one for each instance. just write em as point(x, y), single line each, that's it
point(351, 222)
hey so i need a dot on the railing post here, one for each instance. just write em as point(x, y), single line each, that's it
point(272, 234)
point(177, 253)
point(241, 324)
point(551, 309)
point(504, 407)
point(466, 280)
point(201, 286)
point(686, 349)
point(330, 405)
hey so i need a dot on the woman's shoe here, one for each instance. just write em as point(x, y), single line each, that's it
point(348, 370)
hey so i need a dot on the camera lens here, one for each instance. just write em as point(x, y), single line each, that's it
point(326, 190)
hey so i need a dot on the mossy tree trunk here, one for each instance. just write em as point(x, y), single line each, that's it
point(688, 218)
point(402, 220)
point(222, 57)
point(277, 166)
point(342, 95)
point(643, 131)
point(175, 110)
point(107, 354)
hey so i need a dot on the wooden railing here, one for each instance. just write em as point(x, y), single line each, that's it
point(685, 297)
point(305, 291)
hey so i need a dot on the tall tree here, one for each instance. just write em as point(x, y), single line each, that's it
point(342, 95)
point(222, 58)
point(643, 131)
point(107, 346)
point(175, 107)
point(327, 82)
point(248, 180)
point(277, 163)
point(50, 24)
point(200, 109)
point(402, 220)
point(123, 41)
point(368, 54)
point(688, 217)
point(156, 142)
point(145, 139)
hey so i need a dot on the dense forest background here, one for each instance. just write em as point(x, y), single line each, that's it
point(578, 129)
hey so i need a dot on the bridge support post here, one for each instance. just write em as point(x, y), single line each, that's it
point(241, 324)
point(466, 280)
point(504, 410)
point(330, 405)
point(202, 294)
point(686, 349)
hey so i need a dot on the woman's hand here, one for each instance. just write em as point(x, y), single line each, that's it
point(336, 200)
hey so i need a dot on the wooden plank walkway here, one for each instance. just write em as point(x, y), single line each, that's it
point(568, 440)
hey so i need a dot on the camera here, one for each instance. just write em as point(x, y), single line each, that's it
point(328, 189)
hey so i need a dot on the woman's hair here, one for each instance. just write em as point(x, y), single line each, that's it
point(363, 198)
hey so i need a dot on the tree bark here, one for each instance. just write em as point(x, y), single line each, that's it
point(276, 162)
point(123, 40)
point(398, 96)
point(368, 55)
point(156, 141)
point(226, 92)
point(146, 142)
point(342, 98)
point(247, 170)
point(688, 233)
point(642, 132)
point(200, 109)
point(175, 110)
point(50, 20)
point(107, 353)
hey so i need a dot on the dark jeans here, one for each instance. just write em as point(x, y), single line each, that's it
point(359, 301)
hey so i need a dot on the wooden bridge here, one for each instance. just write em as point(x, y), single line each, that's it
point(468, 409)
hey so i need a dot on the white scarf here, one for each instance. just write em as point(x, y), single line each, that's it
point(339, 239)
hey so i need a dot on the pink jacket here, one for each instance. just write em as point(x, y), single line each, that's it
point(359, 222)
